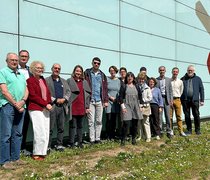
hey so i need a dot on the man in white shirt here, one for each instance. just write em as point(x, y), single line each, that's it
point(164, 84)
point(177, 89)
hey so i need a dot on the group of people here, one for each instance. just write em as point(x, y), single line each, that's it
point(132, 104)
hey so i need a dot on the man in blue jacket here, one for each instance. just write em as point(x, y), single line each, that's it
point(99, 99)
point(192, 98)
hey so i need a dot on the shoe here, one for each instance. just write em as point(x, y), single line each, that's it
point(37, 158)
point(49, 150)
point(183, 134)
point(138, 139)
point(19, 162)
point(198, 133)
point(80, 145)
point(71, 146)
point(24, 152)
point(92, 143)
point(169, 136)
point(9, 166)
point(60, 148)
point(188, 133)
point(148, 140)
point(134, 141)
point(98, 142)
point(157, 137)
point(122, 143)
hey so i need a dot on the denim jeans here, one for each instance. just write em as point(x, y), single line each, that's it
point(11, 125)
point(95, 120)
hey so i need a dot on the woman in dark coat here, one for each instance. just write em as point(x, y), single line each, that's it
point(79, 104)
point(130, 100)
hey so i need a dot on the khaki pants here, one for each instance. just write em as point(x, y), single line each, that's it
point(144, 128)
point(177, 108)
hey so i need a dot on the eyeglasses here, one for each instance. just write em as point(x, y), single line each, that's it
point(97, 63)
point(13, 60)
point(24, 56)
point(39, 68)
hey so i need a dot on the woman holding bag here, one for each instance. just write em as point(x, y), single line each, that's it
point(144, 125)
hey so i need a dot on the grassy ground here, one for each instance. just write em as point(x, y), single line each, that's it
point(179, 158)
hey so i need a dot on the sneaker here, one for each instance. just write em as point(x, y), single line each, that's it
point(19, 162)
point(98, 142)
point(24, 152)
point(148, 140)
point(183, 134)
point(188, 133)
point(59, 148)
point(138, 139)
point(92, 143)
point(9, 166)
point(157, 137)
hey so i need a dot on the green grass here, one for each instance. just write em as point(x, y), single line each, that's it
point(179, 158)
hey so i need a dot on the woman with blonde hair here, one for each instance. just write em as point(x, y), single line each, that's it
point(144, 125)
point(39, 107)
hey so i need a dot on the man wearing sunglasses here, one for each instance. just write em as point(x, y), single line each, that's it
point(99, 99)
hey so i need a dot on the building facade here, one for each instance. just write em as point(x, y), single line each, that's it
point(130, 33)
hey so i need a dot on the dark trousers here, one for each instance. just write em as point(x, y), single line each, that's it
point(25, 129)
point(111, 125)
point(154, 120)
point(194, 105)
point(57, 116)
point(126, 126)
point(75, 125)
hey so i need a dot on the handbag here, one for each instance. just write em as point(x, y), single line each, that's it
point(146, 110)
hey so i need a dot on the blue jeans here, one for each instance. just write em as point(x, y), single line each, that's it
point(11, 124)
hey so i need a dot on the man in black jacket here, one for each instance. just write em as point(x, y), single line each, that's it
point(192, 98)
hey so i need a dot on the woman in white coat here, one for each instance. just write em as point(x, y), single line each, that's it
point(144, 125)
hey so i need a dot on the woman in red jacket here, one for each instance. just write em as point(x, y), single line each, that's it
point(39, 107)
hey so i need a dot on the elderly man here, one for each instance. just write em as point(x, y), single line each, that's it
point(60, 93)
point(192, 98)
point(13, 96)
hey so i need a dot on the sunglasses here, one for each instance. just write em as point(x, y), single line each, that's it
point(97, 63)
